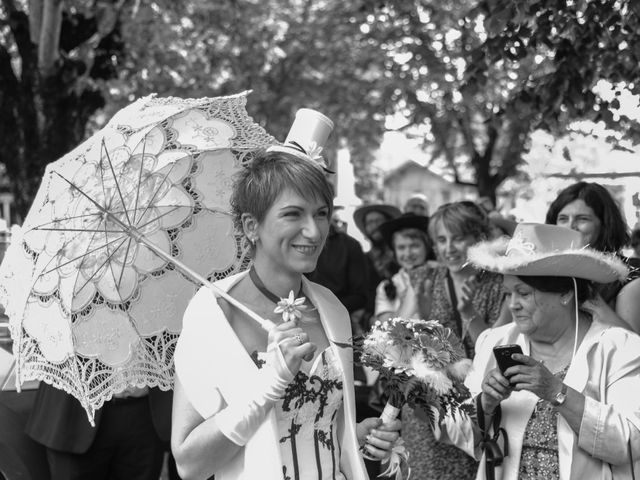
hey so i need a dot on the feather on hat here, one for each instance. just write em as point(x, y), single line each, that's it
point(546, 250)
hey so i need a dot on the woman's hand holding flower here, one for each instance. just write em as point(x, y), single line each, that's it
point(293, 343)
point(533, 376)
point(378, 438)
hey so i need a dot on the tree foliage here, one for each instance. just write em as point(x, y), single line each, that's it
point(52, 63)
point(483, 75)
point(476, 76)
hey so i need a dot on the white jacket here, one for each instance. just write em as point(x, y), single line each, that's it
point(212, 364)
point(606, 370)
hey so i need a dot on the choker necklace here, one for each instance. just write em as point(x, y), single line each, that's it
point(291, 308)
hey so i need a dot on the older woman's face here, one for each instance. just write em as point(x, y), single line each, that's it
point(451, 248)
point(578, 216)
point(410, 252)
point(536, 314)
point(292, 233)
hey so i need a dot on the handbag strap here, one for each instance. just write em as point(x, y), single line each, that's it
point(493, 454)
point(453, 298)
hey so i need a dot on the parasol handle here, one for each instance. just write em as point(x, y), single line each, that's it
point(264, 323)
point(136, 235)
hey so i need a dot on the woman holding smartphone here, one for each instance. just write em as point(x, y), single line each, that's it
point(565, 409)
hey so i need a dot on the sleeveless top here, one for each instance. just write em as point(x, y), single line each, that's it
point(307, 420)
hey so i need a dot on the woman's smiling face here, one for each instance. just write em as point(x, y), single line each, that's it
point(293, 232)
point(579, 216)
point(451, 248)
point(410, 251)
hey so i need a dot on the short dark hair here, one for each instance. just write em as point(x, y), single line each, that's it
point(461, 218)
point(614, 232)
point(552, 284)
point(259, 183)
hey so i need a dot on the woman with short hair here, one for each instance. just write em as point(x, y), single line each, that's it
point(468, 301)
point(275, 404)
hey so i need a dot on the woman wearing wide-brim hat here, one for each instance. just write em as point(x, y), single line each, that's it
point(569, 408)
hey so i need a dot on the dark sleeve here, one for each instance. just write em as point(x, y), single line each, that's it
point(355, 297)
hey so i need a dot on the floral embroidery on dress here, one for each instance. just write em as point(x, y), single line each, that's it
point(307, 416)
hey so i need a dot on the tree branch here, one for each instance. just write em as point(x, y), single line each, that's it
point(35, 20)
point(465, 128)
point(49, 43)
point(9, 6)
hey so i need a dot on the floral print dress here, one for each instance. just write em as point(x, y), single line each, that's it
point(307, 420)
point(430, 459)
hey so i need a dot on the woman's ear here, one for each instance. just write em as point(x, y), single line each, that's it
point(250, 227)
point(567, 297)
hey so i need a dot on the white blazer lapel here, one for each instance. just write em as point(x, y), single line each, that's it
point(337, 326)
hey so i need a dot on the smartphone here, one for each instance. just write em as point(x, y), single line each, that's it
point(503, 356)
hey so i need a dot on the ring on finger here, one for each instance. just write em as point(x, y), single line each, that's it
point(299, 339)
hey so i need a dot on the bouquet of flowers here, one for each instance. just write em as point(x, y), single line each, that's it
point(420, 363)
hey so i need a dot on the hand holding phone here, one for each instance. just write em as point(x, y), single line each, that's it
point(503, 356)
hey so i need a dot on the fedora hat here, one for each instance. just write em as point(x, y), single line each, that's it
point(546, 250)
point(405, 221)
point(361, 212)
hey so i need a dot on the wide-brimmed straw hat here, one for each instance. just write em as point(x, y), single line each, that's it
point(361, 212)
point(546, 250)
point(407, 220)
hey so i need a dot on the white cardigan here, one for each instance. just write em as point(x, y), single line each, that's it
point(212, 364)
point(606, 370)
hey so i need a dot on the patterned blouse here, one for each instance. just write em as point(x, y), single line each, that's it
point(487, 301)
point(307, 422)
point(539, 459)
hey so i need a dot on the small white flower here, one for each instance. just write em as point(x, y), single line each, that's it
point(291, 308)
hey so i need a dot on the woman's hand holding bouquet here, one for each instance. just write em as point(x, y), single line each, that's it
point(421, 364)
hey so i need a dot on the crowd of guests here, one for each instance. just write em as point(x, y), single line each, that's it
point(572, 307)
point(279, 402)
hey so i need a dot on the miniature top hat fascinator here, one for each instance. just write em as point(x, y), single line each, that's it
point(307, 136)
point(546, 250)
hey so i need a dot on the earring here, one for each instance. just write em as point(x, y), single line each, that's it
point(564, 302)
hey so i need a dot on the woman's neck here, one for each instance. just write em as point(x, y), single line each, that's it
point(277, 281)
point(459, 276)
point(558, 348)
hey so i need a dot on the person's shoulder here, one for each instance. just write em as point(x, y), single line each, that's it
point(320, 290)
point(503, 334)
point(323, 294)
point(609, 337)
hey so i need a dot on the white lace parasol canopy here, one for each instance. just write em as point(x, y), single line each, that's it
point(92, 309)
